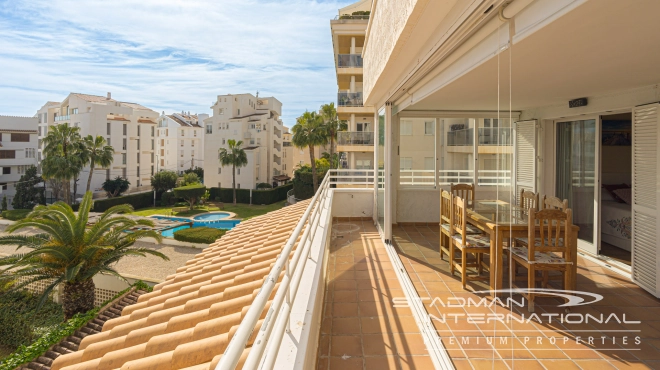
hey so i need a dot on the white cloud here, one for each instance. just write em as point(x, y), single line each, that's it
point(167, 55)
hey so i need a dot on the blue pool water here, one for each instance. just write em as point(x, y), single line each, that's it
point(169, 233)
point(180, 219)
point(211, 216)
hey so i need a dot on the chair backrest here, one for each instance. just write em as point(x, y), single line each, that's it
point(554, 228)
point(445, 207)
point(459, 217)
point(529, 200)
point(465, 191)
point(550, 202)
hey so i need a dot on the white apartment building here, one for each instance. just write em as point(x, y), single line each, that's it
point(129, 128)
point(180, 142)
point(287, 153)
point(255, 121)
point(355, 145)
point(18, 151)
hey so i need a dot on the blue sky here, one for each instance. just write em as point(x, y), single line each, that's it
point(167, 55)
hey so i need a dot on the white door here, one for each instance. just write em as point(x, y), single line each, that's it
point(524, 144)
point(577, 177)
point(646, 197)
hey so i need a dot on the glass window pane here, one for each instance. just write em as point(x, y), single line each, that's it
point(495, 151)
point(415, 146)
point(456, 151)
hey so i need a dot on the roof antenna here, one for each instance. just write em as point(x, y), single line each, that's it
point(257, 93)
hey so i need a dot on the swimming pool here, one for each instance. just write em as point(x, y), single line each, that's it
point(169, 233)
point(211, 216)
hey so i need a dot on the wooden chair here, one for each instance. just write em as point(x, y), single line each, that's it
point(549, 250)
point(554, 203)
point(446, 200)
point(464, 191)
point(529, 200)
point(474, 244)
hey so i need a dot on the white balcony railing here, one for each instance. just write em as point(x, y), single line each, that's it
point(446, 177)
point(266, 345)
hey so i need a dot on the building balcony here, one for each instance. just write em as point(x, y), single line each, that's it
point(349, 61)
point(359, 141)
point(62, 118)
point(348, 99)
point(277, 160)
point(490, 140)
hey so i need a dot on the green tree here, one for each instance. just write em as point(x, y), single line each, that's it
point(310, 132)
point(190, 178)
point(97, 153)
point(233, 156)
point(163, 181)
point(191, 193)
point(64, 155)
point(4, 203)
point(115, 187)
point(333, 125)
point(28, 194)
point(197, 170)
point(68, 252)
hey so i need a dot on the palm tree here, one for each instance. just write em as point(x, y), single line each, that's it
point(233, 156)
point(309, 132)
point(67, 252)
point(333, 125)
point(97, 153)
point(64, 156)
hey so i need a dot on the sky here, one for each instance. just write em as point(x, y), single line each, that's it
point(167, 55)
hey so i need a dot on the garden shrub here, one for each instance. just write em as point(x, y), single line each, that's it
point(15, 214)
point(205, 235)
point(190, 193)
point(138, 201)
point(168, 198)
point(303, 185)
point(265, 196)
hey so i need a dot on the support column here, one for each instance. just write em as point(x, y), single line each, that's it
point(352, 45)
point(352, 159)
point(353, 126)
point(352, 84)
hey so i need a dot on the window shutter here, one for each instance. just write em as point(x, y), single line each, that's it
point(645, 197)
point(524, 156)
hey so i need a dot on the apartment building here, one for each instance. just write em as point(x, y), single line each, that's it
point(18, 148)
point(287, 153)
point(348, 36)
point(255, 121)
point(129, 128)
point(180, 141)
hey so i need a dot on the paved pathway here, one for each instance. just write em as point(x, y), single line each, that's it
point(148, 268)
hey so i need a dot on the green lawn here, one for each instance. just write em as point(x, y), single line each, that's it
point(243, 211)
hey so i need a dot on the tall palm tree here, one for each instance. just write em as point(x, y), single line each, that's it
point(97, 153)
point(64, 154)
point(233, 156)
point(310, 132)
point(333, 126)
point(67, 252)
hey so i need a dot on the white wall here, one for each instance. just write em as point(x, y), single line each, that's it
point(353, 203)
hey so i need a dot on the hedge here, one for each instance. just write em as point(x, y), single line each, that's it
point(260, 196)
point(20, 322)
point(15, 214)
point(138, 201)
point(303, 185)
point(206, 235)
point(25, 354)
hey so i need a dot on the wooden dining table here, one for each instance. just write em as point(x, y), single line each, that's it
point(502, 220)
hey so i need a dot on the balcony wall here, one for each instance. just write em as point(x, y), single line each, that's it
point(347, 99)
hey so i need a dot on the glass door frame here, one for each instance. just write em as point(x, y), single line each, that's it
point(584, 246)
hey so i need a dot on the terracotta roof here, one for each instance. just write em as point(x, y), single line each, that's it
point(251, 115)
point(117, 119)
point(193, 119)
point(188, 320)
point(250, 148)
point(92, 98)
point(145, 120)
point(281, 178)
point(134, 105)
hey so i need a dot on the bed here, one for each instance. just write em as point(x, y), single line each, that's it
point(615, 223)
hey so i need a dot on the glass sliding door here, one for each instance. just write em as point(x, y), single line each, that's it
point(380, 171)
point(576, 178)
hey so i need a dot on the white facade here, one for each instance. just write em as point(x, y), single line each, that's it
point(180, 142)
point(18, 151)
point(128, 127)
point(254, 121)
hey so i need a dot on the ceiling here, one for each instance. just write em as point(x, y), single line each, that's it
point(603, 46)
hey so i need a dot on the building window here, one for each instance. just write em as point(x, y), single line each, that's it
point(152, 157)
point(107, 127)
point(138, 172)
point(223, 141)
point(123, 159)
point(209, 129)
point(192, 143)
point(258, 141)
point(138, 144)
point(182, 154)
point(239, 112)
point(138, 157)
point(108, 141)
point(238, 171)
point(429, 128)
point(153, 144)
point(125, 128)
point(74, 111)
point(221, 111)
point(153, 131)
point(219, 170)
point(123, 172)
point(6, 170)
point(406, 128)
point(183, 133)
point(192, 153)
point(195, 133)
point(152, 170)
point(30, 153)
point(123, 147)
point(107, 174)
point(182, 143)
point(4, 186)
point(138, 130)
point(20, 138)
point(405, 163)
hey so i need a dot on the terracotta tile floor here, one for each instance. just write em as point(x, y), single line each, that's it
point(473, 343)
point(361, 329)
